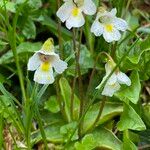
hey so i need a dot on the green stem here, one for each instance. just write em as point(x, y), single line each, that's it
point(89, 37)
point(38, 116)
point(1, 131)
point(74, 80)
point(113, 50)
point(80, 83)
point(72, 96)
point(12, 41)
point(59, 33)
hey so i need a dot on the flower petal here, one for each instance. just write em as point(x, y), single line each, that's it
point(108, 68)
point(97, 28)
point(123, 79)
point(113, 79)
point(113, 12)
point(34, 62)
point(111, 36)
point(59, 65)
point(109, 90)
point(44, 77)
point(65, 10)
point(89, 7)
point(75, 21)
point(120, 24)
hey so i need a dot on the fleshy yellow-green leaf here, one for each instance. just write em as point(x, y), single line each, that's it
point(52, 134)
point(130, 120)
point(105, 138)
point(131, 93)
point(23, 48)
point(87, 143)
point(110, 110)
point(100, 138)
point(66, 95)
point(128, 145)
point(67, 130)
point(52, 105)
point(29, 30)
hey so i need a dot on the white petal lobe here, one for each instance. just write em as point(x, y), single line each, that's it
point(59, 66)
point(123, 79)
point(109, 90)
point(34, 62)
point(89, 7)
point(112, 36)
point(97, 28)
point(120, 24)
point(75, 21)
point(44, 77)
point(64, 11)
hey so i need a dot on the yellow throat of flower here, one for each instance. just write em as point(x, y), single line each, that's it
point(45, 66)
point(48, 45)
point(75, 11)
point(109, 27)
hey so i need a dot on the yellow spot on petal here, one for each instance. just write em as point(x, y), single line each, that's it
point(75, 11)
point(48, 78)
point(109, 27)
point(113, 85)
point(48, 45)
point(45, 66)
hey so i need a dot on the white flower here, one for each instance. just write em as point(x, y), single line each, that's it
point(108, 25)
point(113, 83)
point(71, 12)
point(43, 61)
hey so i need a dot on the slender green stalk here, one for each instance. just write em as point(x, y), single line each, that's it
point(101, 89)
point(77, 57)
point(113, 50)
point(12, 42)
point(59, 33)
point(72, 96)
point(90, 39)
point(74, 80)
point(80, 83)
point(92, 75)
point(38, 117)
point(1, 131)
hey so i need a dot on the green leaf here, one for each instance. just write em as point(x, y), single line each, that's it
point(101, 138)
point(88, 143)
point(110, 110)
point(146, 114)
point(66, 95)
point(131, 93)
point(52, 132)
point(29, 30)
point(132, 20)
point(35, 4)
point(67, 130)
point(106, 139)
point(52, 105)
point(135, 54)
point(130, 120)
point(10, 6)
point(23, 48)
point(128, 144)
